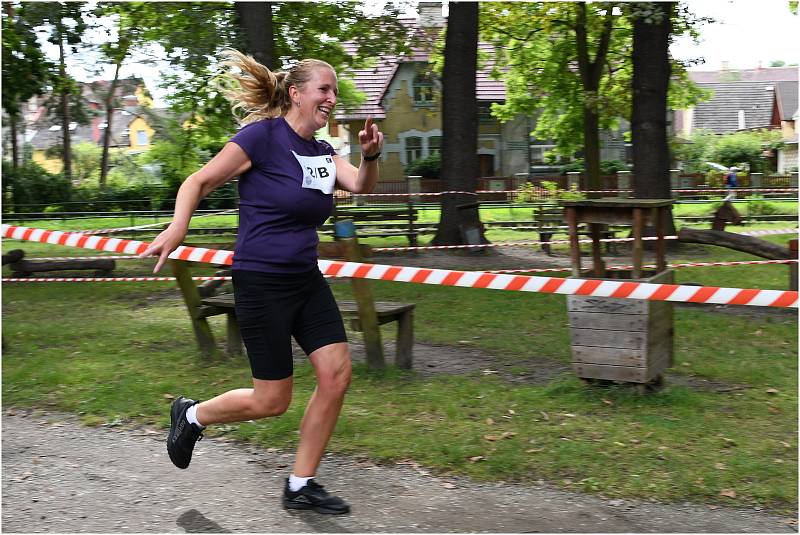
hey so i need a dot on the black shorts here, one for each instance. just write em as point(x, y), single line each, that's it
point(273, 307)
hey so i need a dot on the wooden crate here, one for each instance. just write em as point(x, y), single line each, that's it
point(627, 340)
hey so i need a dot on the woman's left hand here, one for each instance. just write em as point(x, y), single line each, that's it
point(371, 138)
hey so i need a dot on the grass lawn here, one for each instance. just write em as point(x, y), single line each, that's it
point(115, 353)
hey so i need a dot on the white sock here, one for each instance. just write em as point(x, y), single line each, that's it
point(297, 483)
point(191, 416)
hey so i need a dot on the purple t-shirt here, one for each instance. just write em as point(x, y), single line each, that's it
point(284, 196)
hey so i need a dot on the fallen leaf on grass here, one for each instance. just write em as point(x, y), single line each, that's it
point(720, 466)
point(534, 450)
point(489, 421)
point(511, 412)
point(729, 493)
point(508, 434)
point(785, 444)
point(608, 402)
point(491, 438)
point(544, 415)
point(477, 458)
point(169, 396)
point(774, 410)
point(772, 390)
point(620, 444)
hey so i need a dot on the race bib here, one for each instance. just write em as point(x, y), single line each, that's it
point(319, 172)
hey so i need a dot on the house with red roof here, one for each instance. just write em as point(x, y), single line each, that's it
point(401, 98)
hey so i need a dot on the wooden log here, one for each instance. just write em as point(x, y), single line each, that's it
point(731, 240)
point(26, 267)
point(13, 256)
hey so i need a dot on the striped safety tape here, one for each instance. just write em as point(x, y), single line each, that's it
point(653, 266)
point(466, 279)
point(544, 191)
point(107, 279)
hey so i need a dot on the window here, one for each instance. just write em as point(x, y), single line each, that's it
point(434, 145)
point(413, 149)
point(485, 115)
point(141, 137)
point(423, 89)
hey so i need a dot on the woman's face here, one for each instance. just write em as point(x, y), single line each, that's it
point(317, 98)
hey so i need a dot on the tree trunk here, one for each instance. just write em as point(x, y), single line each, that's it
point(255, 21)
point(460, 128)
point(591, 71)
point(746, 244)
point(107, 132)
point(12, 124)
point(65, 116)
point(651, 73)
point(591, 147)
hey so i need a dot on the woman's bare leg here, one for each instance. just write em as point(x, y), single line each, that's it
point(266, 398)
point(332, 366)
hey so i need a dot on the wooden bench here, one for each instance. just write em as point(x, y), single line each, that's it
point(402, 313)
point(203, 302)
point(549, 220)
point(406, 215)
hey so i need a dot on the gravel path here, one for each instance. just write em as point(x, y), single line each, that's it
point(61, 477)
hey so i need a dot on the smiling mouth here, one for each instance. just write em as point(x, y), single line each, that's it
point(325, 111)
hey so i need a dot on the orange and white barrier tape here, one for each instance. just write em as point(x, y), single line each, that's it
point(653, 266)
point(107, 257)
point(106, 279)
point(545, 192)
point(765, 232)
point(466, 279)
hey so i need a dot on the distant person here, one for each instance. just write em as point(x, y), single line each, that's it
point(730, 181)
point(286, 184)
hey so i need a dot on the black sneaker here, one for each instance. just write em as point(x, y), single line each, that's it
point(182, 435)
point(314, 496)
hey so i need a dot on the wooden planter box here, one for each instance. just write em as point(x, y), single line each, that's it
point(628, 340)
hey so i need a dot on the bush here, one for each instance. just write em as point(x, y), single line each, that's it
point(607, 167)
point(546, 191)
point(32, 186)
point(430, 167)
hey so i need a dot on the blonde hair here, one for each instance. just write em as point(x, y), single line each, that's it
point(258, 93)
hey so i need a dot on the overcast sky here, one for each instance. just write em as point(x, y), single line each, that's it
point(745, 32)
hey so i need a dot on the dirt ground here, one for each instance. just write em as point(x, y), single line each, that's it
point(61, 477)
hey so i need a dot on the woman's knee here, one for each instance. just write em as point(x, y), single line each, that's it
point(270, 398)
point(264, 407)
point(334, 370)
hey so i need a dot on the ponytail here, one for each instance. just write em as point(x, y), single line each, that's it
point(257, 93)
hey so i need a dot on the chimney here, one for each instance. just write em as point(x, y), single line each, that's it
point(430, 14)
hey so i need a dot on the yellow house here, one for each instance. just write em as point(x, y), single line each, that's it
point(401, 99)
point(130, 131)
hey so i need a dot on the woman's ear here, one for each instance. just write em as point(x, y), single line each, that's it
point(294, 95)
